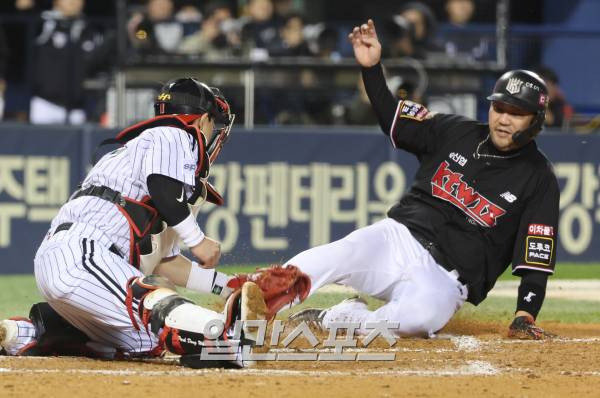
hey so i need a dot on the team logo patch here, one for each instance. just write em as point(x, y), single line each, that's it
point(539, 250)
point(514, 85)
point(543, 99)
point(449, 186)
point(164, 97)
point(412, 110)
point(540, 230)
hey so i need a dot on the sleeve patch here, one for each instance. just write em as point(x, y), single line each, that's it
point(540, 230)
point(539, 250)
point(414, 111)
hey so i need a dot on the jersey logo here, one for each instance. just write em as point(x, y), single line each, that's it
point(539, 250)
point(449, 186)
point(458, 158)
point(412, 110)
point(180, 199)
point(529, 296)
point(509, 197)
point(540, 229)
point(164, 97)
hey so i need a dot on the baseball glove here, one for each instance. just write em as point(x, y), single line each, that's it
point(523, 327)
point(280, 286)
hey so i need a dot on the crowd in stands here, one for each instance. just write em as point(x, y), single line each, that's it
point(70, 48)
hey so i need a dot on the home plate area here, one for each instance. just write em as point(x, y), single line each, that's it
point(465, 359)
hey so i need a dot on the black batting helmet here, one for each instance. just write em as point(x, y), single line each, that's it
point(525, 90)
point(188, 96)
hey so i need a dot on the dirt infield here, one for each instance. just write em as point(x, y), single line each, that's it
point(466, 359)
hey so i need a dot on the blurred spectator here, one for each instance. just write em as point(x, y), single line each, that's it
point(460, 41)
point(67, 51)
point(358, 111)
point(326, 47)
point(559, 112)
point(259, 29)
point(4, 53)
point(25, 5)
point(424, 24)
point(190, 16)
point(399, 35)
point(282, 9)
point(290, 41)
point(214, 40)
point(155, 30)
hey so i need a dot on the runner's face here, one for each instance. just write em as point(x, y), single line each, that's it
point(505, 120)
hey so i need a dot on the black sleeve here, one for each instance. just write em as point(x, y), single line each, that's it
point(383, 102)
point(409, 125)
point(532, 291)
point(535, 244)
point(169, 198)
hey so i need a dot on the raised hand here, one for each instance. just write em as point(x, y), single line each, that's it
point(366, 45)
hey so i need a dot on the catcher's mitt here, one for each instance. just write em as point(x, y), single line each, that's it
point(280, 286)
point(523, 327)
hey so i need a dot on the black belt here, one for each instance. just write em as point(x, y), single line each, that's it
point(66, 225)
point(101, 192)
point(437, 254)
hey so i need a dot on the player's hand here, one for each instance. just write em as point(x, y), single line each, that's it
point(524, 327)
point(207, 252)
point(366, 45)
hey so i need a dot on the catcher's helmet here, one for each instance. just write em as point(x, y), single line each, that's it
point(188, 96)
point(525, 90)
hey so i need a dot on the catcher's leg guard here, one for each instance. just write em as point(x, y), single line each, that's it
point(181, 326)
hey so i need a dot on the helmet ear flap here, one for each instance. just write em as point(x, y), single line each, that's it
point(520, 138)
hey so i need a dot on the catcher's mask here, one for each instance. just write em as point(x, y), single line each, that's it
point(525, 90)
point(190, 97)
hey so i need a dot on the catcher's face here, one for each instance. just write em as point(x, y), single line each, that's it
point(206, 126)
point(505, 120)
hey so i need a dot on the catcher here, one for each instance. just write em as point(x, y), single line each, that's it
point(110, 261)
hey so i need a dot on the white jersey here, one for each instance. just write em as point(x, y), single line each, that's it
point(75, 270)
point(168, 151)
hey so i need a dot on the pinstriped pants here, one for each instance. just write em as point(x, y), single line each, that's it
point(85, 283)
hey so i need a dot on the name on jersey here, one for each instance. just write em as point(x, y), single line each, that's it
point(540, 229)
point(449, 186)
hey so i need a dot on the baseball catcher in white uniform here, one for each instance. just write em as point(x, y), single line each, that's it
point(110, 261)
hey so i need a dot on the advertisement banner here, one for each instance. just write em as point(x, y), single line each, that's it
point(285, 190)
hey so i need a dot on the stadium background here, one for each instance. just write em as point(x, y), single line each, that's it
point(306, 164)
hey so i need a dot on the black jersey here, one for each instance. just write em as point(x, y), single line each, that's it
point(483, 208)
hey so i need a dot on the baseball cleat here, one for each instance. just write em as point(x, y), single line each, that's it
point(316, 315)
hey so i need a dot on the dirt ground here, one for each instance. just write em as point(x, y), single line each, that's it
point(466, 359)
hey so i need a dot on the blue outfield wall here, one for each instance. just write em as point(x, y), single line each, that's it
point(285, 190)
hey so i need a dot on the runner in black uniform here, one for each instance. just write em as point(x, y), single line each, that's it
point(484, 197)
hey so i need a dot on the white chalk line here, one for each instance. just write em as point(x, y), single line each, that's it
point(471, 368)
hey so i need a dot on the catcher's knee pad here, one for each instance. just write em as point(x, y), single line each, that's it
point(179, 324)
